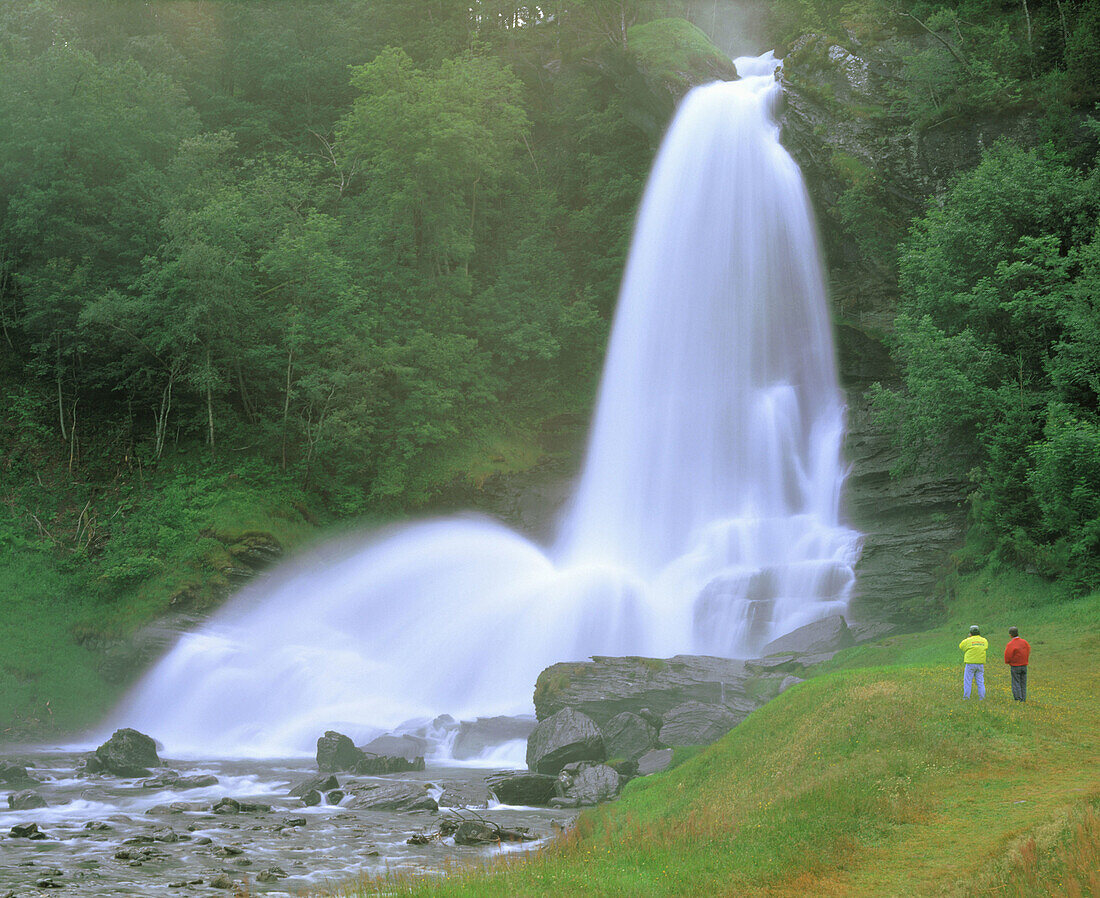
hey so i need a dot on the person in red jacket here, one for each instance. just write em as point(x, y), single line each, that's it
point(1016, 655)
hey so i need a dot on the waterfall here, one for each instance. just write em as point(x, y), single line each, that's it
point(706, 519)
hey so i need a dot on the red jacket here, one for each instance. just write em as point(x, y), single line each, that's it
point(1016, 652)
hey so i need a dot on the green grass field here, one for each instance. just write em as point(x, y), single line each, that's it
point(873, 778)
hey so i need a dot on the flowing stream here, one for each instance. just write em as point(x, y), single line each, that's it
point(706, 519)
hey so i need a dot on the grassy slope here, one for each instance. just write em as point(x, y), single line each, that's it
point(871, 778)
point(59, 603)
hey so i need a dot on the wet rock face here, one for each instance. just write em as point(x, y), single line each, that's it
point(126, 753)
point(26, 800)
point(522, 789)
point(606, 687)
point(336, 752)
point(393, 797)
point(15, 775)
point(654, 761)
point(830, 634)
point(377, 765)
point(476, 736)
point(582, 785)
point(628, 736)
point(403, 746)
point(567, 736)
point(696, 723)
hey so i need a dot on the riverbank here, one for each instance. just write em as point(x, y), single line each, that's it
point(871, 778)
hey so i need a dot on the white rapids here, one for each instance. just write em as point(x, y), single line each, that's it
point(707, 519)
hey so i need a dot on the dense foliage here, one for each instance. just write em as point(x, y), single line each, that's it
point(968, 55)
point(342, 236)
point(998, 333)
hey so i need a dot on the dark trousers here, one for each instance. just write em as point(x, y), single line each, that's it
point(1019, 683)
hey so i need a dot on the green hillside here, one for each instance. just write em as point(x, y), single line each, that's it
point(872, 778)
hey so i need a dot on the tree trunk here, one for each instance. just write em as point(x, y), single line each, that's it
point(72, 437)
point(286, 401)
point(209, 402)
point(60, 397)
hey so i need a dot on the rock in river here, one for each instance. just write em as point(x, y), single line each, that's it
point(127, 753)
point(565, 737)
point(379, 765)
point(393, 797)
point(336, 752)
point(476, 736)
point(316, 784)
point(522, 788)
point(25, 801)
point(15, 775)
point(403, 746)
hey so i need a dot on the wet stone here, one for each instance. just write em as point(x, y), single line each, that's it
point(223, 881)
point(316, 784)
point(27, 831)
point(27, 800)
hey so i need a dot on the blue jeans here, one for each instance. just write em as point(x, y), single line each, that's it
point(974, 672)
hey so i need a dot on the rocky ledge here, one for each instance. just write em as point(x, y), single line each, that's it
point(605, 721)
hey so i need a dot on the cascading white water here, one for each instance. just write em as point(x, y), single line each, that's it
point(707, 519)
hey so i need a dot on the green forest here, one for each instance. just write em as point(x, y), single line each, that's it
point(281, 266)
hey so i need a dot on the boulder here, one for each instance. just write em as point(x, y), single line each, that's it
point(474, 832)
point(405, 746)
point(480, 832)
point(311, 799)
point(523, 789)
point(626, 769)
point(696, 723)
point(788, 682)
point(336, 752)
point(378, 765)
point(654, 761)
point(628, 736)
point(819, 637)
point(475, 737)
point(335, 796)
point(316, 784)
point(127, 753)
point(567, 736)
point(15, 775)
point(588, 784)
point(27, 831)
point(393, 797)
point(464, 795)
point(605, 687)
point(25, 801)
point(226, 806)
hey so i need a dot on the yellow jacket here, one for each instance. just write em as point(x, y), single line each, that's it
point(975, 647)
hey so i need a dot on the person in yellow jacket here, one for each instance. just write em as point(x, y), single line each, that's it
point(974, 647)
